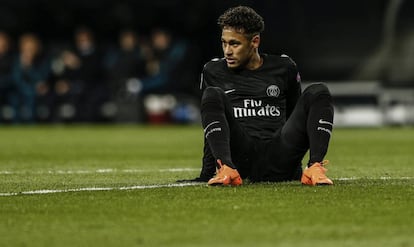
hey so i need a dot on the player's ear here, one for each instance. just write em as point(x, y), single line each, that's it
point(256, 41)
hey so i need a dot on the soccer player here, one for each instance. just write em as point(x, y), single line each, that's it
point(257, 122)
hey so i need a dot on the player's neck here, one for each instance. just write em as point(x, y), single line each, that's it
point(255, 62)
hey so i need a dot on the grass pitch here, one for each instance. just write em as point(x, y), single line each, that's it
point(371, 203)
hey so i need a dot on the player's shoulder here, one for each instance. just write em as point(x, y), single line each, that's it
point(278, 60)
point(214, 65)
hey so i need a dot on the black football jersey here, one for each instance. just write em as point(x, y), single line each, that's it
point(262, 99)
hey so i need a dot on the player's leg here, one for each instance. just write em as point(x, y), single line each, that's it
point(214, 115)
point(310, 126)
point(221, 131)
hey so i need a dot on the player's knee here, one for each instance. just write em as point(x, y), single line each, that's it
point(317, 92)
point(212, 94)
point(317, 89)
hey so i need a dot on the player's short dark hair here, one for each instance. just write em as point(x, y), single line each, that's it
point(242, 18)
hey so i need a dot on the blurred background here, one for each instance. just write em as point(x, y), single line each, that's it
point(119, 61)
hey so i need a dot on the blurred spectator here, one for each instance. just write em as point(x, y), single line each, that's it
point(6, 82)
point(126, 66)
point(142, 79)
point(166, 54)
point(79, 85)
point(68, 87)
point(170, 79)
point(95, 91)
point(30, 73)
point(128, 61)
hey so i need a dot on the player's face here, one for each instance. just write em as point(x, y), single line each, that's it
point(238, 48)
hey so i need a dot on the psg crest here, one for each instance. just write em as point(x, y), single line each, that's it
point(273, 91)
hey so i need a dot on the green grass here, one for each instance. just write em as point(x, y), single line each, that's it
point(373, 209)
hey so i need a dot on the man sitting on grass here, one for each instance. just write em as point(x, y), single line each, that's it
point(257, 122)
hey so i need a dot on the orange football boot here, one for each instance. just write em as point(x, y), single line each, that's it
point(315, 174)
point(225, 175)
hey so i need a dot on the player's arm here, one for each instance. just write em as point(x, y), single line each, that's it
point(294, 88)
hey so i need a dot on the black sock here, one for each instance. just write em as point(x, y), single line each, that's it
point(319, 127)
point(216, 131)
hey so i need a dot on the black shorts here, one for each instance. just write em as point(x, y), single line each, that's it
point(267, 160)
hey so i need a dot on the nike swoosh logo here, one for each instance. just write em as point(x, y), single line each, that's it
point(229, 91)
point(321, 121)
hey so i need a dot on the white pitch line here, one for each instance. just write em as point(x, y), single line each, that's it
point(135, 187)
point(381, 178)
point(102, 170)
point(154, 186)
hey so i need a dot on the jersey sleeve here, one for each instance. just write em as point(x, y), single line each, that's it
point(294, 88)
point(207, 77)
point(204, 78)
